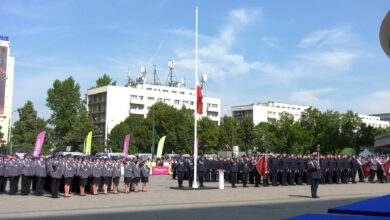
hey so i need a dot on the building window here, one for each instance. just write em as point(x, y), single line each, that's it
point(159, 99)
point(141, 98)
point(182, 93)
point(167, 100)
point(150, 98)
point(149, 88)
point(177, 102)
point(165, 90)
point(214, 105)
point(191, 103)
point(185, 103)
point(133, 97)
point(174, 91)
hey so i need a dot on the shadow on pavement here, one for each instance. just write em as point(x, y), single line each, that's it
point(261, 211)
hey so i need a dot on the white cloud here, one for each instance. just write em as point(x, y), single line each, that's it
point(312, 97)
point(376, 102)
point(332, 37)
point(270, 41)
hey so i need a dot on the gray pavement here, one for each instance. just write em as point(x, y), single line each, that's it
point(161, 202)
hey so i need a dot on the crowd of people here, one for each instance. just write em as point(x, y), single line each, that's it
point(70, 174)
point(282, 169)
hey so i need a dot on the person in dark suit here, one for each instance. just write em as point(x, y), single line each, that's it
point(301, 168)
point(323, 165)
point(233, 168)
point(181, 169)
point(354, 168)
point(315, 175)
point(275, 168)
point(293, 169)
point(202, 169)
point(285, 167)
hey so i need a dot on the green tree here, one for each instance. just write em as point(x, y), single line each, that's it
point(225, 132)
point(207, 135)
point(79, 130)
point(245, 134)
point(350, 126)
point(105, 80)
point(28, 126)
point(65, 103)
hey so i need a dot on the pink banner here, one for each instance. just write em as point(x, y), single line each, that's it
point(39, 143)
point(126, 146)
point(160, 170)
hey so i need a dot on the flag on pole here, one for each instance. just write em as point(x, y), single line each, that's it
point(160, 147)
point(366, 167)
point(199, 98)
point(262, 166)
point(88, 144)
point(126, 146)
point(39, 143)
point(386, 167)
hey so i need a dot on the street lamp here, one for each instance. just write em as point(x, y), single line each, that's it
point(105, 137)
point(10, 132)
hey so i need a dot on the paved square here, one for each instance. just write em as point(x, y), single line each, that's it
point(161, 202)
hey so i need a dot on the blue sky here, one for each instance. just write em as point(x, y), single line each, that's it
point(320, 53)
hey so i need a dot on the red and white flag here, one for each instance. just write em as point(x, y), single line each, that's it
point(199, 99)
point(366, 167)
point(262, 166)
point(386, 167)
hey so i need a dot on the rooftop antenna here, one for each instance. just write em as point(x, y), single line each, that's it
point(171, 76)
point(156, 81)
point(144, 75)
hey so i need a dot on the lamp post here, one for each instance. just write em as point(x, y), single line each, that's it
point(105, 137)
point(153, 124)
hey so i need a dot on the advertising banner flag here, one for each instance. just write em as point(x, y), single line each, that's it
point(88, 144)
point(126, 146)
point(366, 167)
point(160, 147)
point(261, 166)
point(39, 143)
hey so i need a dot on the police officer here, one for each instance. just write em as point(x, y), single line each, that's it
point(233, 168)
point(244, 170)
point(144, 176)
point(339, 168)
point(128, 175)
point(84, 170)
point(214, 168)
point(374, 168)
point(293, 169)
point(56, 174)
point(202, 168)
point(315, 175)
point(3, 178)
point(40, 173)
point(181, 169)
point(137, 174)
point(275, 168)
point(174, 168)
point(14, 172)
point(301, 168)
point(116, 173)
point(190, 169)
point(331, 166)
point(284, 166)
point(27, 173)
point(354, 167)
point(323, 165)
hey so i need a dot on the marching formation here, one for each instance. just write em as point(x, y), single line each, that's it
point(70, 174)
point(284, 169)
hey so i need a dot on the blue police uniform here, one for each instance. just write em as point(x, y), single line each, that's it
point(315, 176)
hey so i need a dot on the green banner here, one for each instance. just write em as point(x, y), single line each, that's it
point(160, 147)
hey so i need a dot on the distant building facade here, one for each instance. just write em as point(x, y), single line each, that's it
point(7, 63)
point(266, 112)
point(109, 105)
point(383, 116)
point(374, 121)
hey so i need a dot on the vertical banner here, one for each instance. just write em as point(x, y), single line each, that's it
point(39, 143)
point(3, 78)
point(88, 144)
point(160, 147)
point(126, 146)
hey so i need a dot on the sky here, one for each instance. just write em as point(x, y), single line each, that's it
point(324, 54)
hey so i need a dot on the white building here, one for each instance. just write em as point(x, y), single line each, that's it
point(266, 112)
point(109, 105)
point(6, 86)
point(374, 121)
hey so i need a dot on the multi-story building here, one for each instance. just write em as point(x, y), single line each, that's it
point(266, 112)
point(383, 116)
point(6, 86)
point(109, 105)
point(374, 121)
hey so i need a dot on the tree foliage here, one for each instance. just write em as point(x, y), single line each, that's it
point(105, 80)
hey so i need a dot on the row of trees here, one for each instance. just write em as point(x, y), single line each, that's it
point(70, 122)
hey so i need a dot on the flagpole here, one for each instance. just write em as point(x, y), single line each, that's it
point(195, 183)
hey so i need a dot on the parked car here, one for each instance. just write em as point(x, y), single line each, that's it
point(78, 154)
